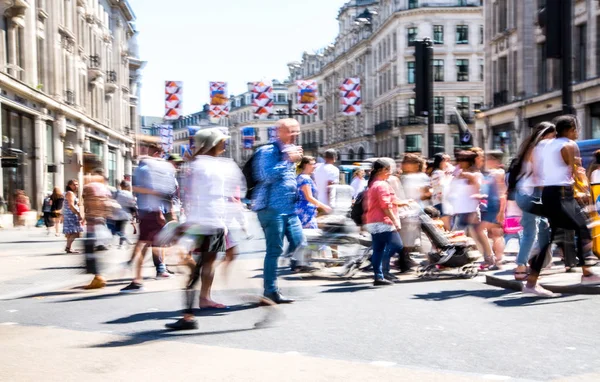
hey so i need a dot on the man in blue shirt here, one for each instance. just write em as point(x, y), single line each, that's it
point(275, 200)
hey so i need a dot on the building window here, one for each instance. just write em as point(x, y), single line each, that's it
point(481, 73)
point(413, 143)
point(321, 137)
point(394, 75)
point(542, 69)
point(412, 36)
point(438, 109)
point(462, 105)
point(410, 72)
point(438, 143)
point(412, 4)
point(96, 148)
point(462, 34)
point(320, 113)
point(581, 53)
point(438, 34)
point(438, 70)
point(112, 168)
point(394, 42)
point(481, 34)
point(462, 69)
point(411, 107)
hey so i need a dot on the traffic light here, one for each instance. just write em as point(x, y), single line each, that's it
point(423, 76)
point(551, 19)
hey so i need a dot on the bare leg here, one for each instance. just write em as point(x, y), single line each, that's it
point(207, 277)
point(144, 245)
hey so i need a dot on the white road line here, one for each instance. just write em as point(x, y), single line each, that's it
point(8, 323)
point(291, 353)
point(570, 348)
point(492, 377)
point(12, 311)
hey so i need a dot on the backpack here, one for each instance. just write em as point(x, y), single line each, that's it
point(248, 171)
point(358, 209)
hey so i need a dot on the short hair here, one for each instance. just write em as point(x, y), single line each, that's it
point(564, 123)
point(411, 159)
point(432, 212)
point(331, 154)
point(304, 161)
point(287, 123)
point(125, 185)
point(154, 146)
point(477, 150)
point(466, 156)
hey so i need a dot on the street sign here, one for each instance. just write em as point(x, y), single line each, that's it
point(10, 162)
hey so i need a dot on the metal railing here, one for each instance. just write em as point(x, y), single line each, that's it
point(409, 121)
point(112, 77)
point(383, 126)
point(501, 98)
point(453, 119)
point(94, 62)
point(69, 97)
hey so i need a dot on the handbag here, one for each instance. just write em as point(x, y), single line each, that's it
point(512, 225)
point(532, 205)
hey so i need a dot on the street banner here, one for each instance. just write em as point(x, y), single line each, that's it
point(307, 97)
point(466, 138)
point(219, 102)
point(248, 137)
point(350, 97)
point(173, 105)
point(166, 137)
point(262, 99)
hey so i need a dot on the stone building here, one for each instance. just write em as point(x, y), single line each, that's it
point(375, 44)
point(522, 85)
point(69, 73)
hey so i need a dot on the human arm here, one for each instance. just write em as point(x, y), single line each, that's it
point(70, 198)
point(270, 165)
point(385, 198)
point(502, 190)
point(308, 195)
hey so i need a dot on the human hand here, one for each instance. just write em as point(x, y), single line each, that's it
point(326, 209)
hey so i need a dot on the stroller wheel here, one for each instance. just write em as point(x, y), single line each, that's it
point(468, 272)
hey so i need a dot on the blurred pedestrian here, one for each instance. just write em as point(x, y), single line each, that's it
point(439, 183)
point(326, 175)
point(274, 200)
point(73, 219)
point(308, 205)
point(123, 215)
point(47, 217)
point(22, 207)
point(359, 183)
point(58, 201)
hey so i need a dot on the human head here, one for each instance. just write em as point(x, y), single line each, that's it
point(56, 192)
point(391, 163)
point(330, 156)
point(125, 185)
point(155, 150)
point(465, 159)
point(359, 173)
point(210, 142)
point(440, 161)
point(545, 130)
point(380, 171)
point(411, 164)
point(175, 160)
point(479, 157)
point(307, 164)
point(494, 158)
point(72, 185)
point(98, 176)
point(287, 130)
point(566, 126)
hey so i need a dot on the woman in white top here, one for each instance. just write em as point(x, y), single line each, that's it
point(439, 180)
point(521, 179)
point(359, 183)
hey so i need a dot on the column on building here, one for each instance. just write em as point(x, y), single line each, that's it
point(60, 132)
point(79, 150)
point(105, 157)
point(580, 111)
point(121, 162)
point(30, 47)
point(128, 162)
point(39, 135)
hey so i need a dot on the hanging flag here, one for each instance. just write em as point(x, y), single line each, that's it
point(219, 102)
point(465, 136)
point(262, 99)
point(166, 137)
point(248, 137)
point(173, 106)
point(350, 97)
point(307, 97)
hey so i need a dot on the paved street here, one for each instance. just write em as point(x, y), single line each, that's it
point(338, 330)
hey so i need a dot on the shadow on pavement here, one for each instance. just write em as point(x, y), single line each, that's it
point(349, 289)
point(533, 301)
point(149, 316)
point(163, 334)
point(452, 294)
point(60, 268)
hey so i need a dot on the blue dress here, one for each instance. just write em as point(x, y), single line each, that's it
point(71, 223)
point(306, 211)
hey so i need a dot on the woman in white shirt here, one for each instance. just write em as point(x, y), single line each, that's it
point(359, 183)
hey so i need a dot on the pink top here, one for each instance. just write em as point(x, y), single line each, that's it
point(380, 196)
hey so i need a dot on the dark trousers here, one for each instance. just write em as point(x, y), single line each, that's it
point(563, 211)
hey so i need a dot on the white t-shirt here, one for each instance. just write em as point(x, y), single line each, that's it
point(414, 184)
point(358, 185)
point(324, 174)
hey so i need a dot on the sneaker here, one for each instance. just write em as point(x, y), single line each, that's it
point(163, 275)
point(133, 288)
point(538, 291)
point(183, 324)
point(390, 277)
point(382, 282)
point(170, 271)
point(593, 279)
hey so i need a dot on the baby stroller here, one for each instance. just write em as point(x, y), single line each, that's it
point(337, 242)
point(450, 251)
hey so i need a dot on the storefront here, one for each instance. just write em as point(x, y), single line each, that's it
point(505, 139)
point(18, 154)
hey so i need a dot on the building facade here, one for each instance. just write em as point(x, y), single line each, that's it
point(69, 73)
point(522, 85)
point(375, 44)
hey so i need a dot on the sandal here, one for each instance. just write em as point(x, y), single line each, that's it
point(521, 275)
point(70, 251)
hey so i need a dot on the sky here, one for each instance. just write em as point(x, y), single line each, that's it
point(236, 41)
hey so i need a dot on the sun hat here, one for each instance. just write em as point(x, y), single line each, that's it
point(206, 139)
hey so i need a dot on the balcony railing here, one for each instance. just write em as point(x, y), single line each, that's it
point(69, 97)
point(383, 126)
point(94, 62)
point(112, 77)
point(453, 119)
point(408, 121)
point(501, 98)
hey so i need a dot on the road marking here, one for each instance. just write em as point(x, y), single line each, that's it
point(12, 311)
point(291, 353)
point(570, 348)
point(383, 363)
point(9, 323)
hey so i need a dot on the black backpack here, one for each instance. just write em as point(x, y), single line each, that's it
point(358, 209)
point(248, 171)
